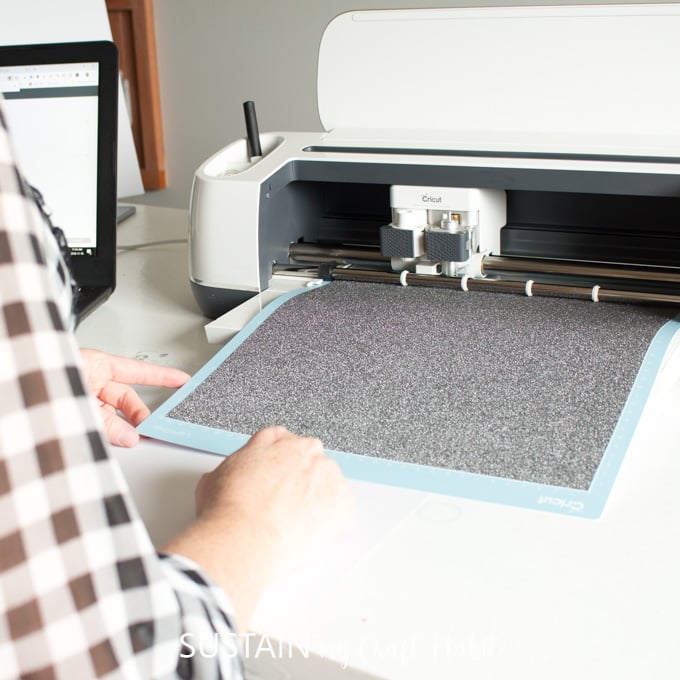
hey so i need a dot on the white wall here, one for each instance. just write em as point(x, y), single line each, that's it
point(215, 54)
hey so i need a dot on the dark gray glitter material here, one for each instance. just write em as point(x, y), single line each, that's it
point(495, 384)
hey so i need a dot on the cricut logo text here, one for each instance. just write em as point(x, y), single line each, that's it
point(566, 504)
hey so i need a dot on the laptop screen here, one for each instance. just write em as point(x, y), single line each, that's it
point(61, 108)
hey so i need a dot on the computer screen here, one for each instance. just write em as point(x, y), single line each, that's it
point(61, 105)
point(52, 112)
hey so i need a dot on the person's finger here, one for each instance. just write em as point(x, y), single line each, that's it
point(269, 435)
point(126, 400)
point(313, 445)
point(135, 372)
point(118, 431)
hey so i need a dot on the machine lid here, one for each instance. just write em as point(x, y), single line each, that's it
point(583, 79)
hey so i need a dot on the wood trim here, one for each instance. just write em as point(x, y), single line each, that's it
point(132, 27)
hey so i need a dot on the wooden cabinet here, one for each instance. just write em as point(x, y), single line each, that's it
point(133, 32)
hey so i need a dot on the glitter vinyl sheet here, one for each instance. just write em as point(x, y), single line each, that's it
point(497, 397)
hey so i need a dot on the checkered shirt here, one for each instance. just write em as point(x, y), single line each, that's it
point(83, 593)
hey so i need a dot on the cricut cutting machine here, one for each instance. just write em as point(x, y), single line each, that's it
point(526, 149)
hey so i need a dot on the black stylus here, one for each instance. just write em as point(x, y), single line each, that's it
point(252, 130)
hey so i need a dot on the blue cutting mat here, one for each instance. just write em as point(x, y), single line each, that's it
point(588, 502)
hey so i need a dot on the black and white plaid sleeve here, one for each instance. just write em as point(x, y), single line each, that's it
point(82, 591)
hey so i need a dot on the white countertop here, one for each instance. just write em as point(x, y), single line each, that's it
point(425, 586)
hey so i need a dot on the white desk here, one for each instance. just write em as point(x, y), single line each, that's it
point(426, 586)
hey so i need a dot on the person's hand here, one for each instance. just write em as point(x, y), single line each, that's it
point(287, 486)
point(110, 378)
point(271, 506)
